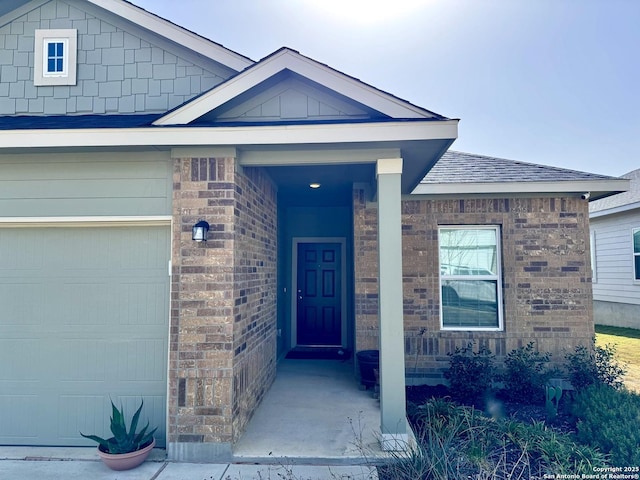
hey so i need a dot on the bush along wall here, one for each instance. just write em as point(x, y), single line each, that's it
point(609, 419)
point(604, 415)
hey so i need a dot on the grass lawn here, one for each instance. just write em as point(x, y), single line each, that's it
point(627, 342)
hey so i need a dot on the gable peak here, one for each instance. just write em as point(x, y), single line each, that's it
point(287, 59)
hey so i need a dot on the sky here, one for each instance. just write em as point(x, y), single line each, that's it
point(554, 82)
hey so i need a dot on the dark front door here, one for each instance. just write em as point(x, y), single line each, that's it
point(319, 306)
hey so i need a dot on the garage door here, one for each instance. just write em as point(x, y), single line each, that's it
point(83, 318)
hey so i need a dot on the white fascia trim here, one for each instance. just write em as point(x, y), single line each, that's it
point(175, 33)
point(263, 158)
point(614, 210)
point(582, 186)
point(85, 221)
point(320, 134)
point(303, 66)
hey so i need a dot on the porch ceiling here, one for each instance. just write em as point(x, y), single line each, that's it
point(336, 183)
point(338, 166)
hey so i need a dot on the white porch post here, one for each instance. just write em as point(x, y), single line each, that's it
point(392, 376)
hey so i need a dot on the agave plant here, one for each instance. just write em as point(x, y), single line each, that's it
point(123, 441)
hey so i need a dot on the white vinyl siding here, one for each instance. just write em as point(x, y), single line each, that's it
point(615, 258)
point(594, 260)
point(636, 254)
point(470, 277)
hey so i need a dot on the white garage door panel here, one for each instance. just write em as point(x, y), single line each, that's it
point(83, 318)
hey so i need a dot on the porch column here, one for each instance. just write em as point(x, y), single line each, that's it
point(391, 326)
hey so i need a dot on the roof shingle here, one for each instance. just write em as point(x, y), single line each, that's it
point(52, 122)
point(624, 198)
point(459, 167)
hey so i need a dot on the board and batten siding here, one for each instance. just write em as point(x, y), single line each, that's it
point(614, 258)
point(293, 98)
point(85, 184)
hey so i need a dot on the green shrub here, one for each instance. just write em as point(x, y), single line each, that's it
point(442, 428)
point(526, 373)
point(550, 452)
point(594, 365)
point(470, 373)
point(459, 442)
point(609, 419)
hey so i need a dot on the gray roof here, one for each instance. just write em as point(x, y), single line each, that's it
point(459, 167)
point(7, 6)
point(621, 199)
point(52, 122)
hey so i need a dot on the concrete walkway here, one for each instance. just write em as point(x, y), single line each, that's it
point(95, 470)
point(315, 412)
point(313, 424)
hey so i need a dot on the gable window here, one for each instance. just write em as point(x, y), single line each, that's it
point(470, 277)
point(636, 254)
point(55, 57)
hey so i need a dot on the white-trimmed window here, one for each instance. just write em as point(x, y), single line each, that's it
point(470, 277)
point(636, 254)
point(55, 57)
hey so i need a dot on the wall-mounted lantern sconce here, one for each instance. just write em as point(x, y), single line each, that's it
point(200, 231)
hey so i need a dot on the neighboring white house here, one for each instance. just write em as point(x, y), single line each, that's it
point(615, 254)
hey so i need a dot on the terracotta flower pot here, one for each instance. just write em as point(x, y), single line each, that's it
point(126, 461)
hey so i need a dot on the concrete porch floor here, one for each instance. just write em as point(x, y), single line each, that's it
point(314, 413)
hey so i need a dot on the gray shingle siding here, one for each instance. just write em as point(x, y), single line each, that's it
point(121, 68)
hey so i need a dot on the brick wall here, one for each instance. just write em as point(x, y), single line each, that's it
point(546, 276)
point(365, 262)
point(254, 312)
point(223, 316)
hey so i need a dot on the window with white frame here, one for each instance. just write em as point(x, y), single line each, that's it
point(470, 277)
point(55, 57)
point(636, 254)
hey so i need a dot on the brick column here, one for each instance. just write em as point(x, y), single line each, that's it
point(200, 403)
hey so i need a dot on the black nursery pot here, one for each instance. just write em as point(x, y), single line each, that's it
point(369, 360)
